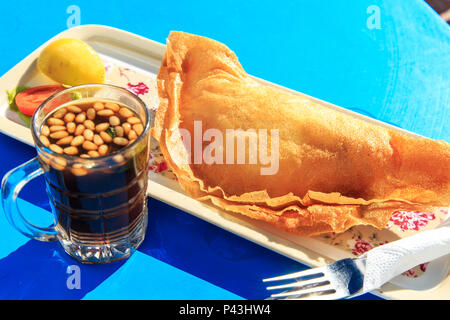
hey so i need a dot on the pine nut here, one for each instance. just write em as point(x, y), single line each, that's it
point(114, 120)
point(69, 117)
point(77, 141)
point(74, 109)
point(138, 128)
point(93, 153)
point(105, 113)
point(106, 137)
point(132, 135)
point(119, 131)
point(58, 163)
point(79, 130)
point(112, 106)
point(103, 149)
point(120, 141)
point(126, 127)
point(125, 113)
point(89, 124)
point(71, 151)
point(98, 140)
point(60, 113)
point(78, 170)
point(74, 128)
point(118, 158)
point(88, 145)
point(88, 134)
point(71, 127)
point(56, 148)
point(64, 141)
point(55, 122)
point(102, 126)
point(45, 130)
point(90, 113)
point(133, 120)
point(57, 128)
point(44, 140)
point(98, 106)
point(80, 117)
point(59, 135)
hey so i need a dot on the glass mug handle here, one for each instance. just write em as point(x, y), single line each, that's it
point(12, 184)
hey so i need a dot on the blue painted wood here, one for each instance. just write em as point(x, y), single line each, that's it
point(395, 69)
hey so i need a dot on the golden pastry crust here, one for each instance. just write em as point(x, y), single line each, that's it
point(335, 171)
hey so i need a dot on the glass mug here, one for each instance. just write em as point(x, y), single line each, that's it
point(99, 205)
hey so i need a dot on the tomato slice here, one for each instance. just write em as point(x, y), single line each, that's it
point(29, 100)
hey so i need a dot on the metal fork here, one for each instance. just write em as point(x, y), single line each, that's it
point(350, 277)
point(341, 279)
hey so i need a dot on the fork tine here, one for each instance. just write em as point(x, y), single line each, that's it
point(330, 296)
point(300, 274)
point(315, 290)
point(298, 283)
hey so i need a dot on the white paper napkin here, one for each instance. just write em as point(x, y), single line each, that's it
point(387, 261)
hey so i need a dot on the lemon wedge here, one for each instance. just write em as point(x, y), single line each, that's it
point(71, 62)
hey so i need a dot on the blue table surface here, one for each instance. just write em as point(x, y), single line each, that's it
point(395, 68)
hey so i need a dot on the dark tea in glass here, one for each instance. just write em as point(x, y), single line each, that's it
point(93, 150)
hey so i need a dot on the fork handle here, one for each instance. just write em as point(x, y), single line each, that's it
point(389, 260)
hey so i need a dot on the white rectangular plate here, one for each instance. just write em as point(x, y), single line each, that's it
point(143, 57)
